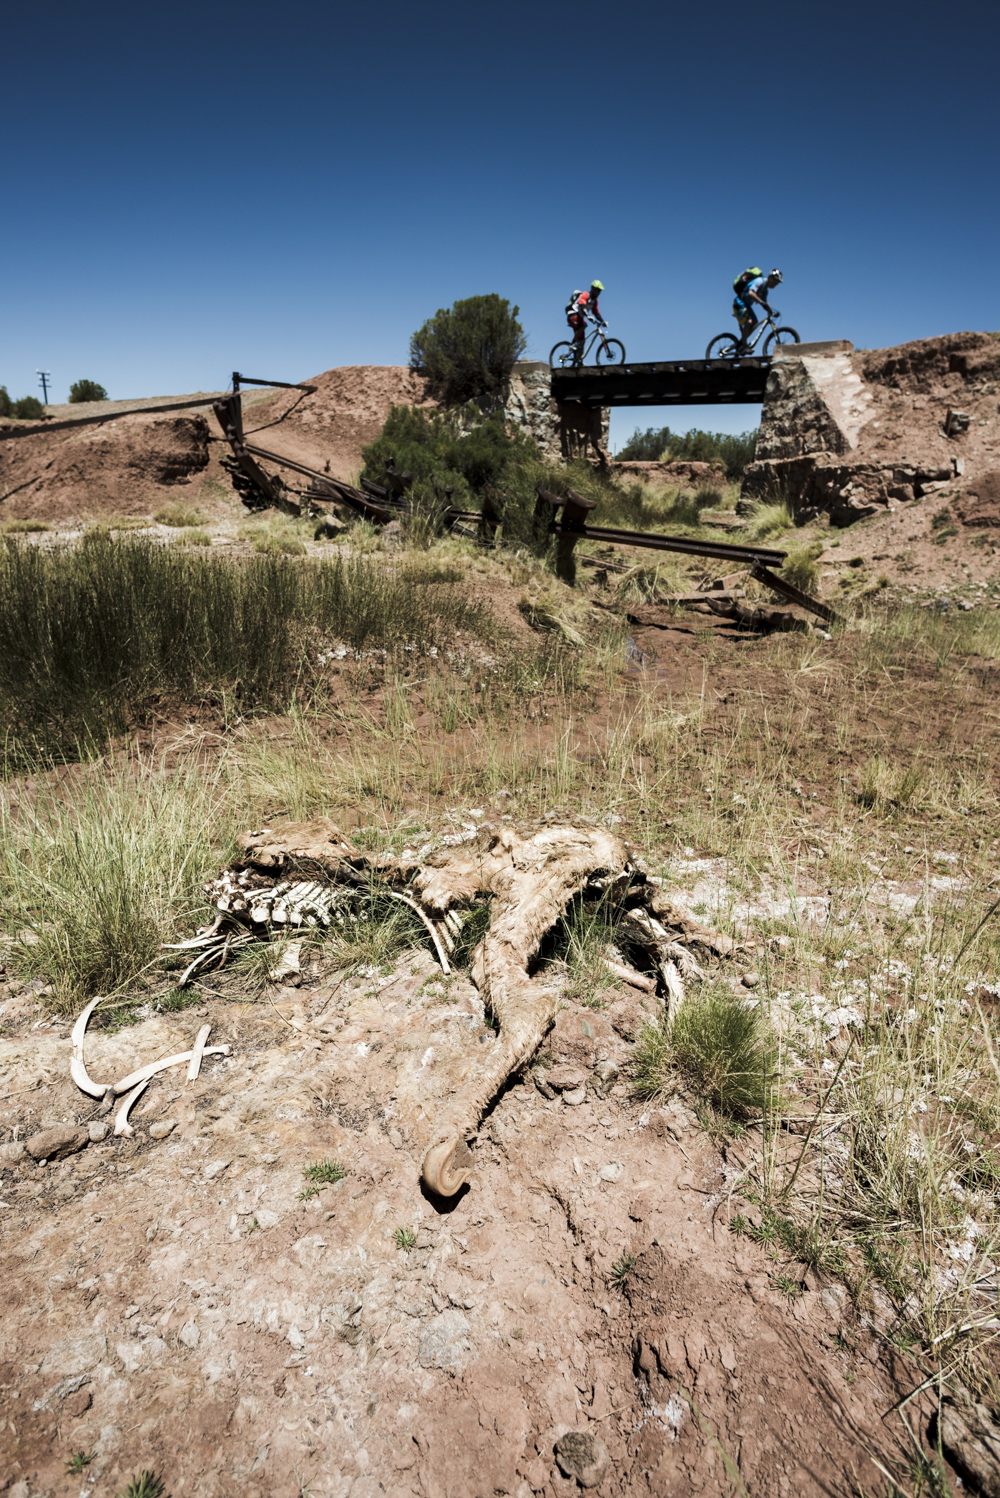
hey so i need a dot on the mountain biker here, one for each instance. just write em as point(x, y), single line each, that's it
point(581, 306)
point(752, 287)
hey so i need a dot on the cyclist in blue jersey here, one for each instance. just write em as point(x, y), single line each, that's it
point(751, 289)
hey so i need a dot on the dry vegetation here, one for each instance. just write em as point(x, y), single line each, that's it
point(832, 804)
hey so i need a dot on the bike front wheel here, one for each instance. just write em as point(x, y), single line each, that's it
point(562, 356)
point(610, 351)
point(726, 346)
point(780, 335)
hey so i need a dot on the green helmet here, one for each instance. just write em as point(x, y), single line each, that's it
point(597, 285)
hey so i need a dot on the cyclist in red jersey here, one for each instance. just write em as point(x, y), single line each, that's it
point(583, 305)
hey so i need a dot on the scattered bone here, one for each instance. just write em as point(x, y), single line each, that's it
point(629, 975)
point(77, 1065)
point(122, 1125)
point(289, 965)
point(435, 938)
point(197, 1052)
point(144, 1073)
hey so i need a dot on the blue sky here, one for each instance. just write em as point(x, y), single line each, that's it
point(280, 189)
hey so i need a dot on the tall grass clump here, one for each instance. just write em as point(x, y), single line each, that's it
point(719, 1045)
point(91, 637)
point(91, 883)
point(769, 518)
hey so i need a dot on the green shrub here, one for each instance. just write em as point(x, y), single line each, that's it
point(28, 408)
point(6, 404)
point(86, 390)
point(768, 518)
point(469, 349)
point(660, 444)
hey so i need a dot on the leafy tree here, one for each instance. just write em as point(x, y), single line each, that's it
point(86, 390)
point(29, 408)
point(735, 450)
point(469, 349)
point(6, 404)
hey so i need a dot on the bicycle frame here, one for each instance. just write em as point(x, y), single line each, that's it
point(598, 334)
point(751, 343)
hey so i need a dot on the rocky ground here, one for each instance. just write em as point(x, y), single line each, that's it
point(173, 1302)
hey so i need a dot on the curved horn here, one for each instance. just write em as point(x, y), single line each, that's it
point(447, 1166)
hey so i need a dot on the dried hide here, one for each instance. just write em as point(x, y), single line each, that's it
point(530, 877)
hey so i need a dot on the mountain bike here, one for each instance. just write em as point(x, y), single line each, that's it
point(729, 346)
point(573, 355)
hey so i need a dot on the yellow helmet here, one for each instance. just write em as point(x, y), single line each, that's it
point(597, 285)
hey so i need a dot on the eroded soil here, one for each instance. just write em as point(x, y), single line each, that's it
point(175, 1304)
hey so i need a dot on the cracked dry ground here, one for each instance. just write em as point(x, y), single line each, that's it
point(174, 1304)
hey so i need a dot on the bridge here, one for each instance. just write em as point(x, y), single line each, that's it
point(676, 382)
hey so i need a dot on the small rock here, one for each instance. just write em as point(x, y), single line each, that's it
point(265, 1218)
point(296, 1338)
point(566, 1078)
point(604, 1078)
point(583, 1455)
point(727, 1357)
point(215, 1168)
point(543, 1086)
point(613, 1171)
point(11, 1153)
point(189, 1334)
point(131, 1311)
point(97, 1131)
point(576, 1097)
point(445, 1342)
point(162, 1128)
point(77, 1404)
point(750, 979)
point(56, 1144)
point(971, 1441)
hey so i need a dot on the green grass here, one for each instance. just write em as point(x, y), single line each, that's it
point(98, 884)
point(179, 514)
point(193, 538)
point(325, 1172)
point(405, 1239)
point(92, 636)
point(79, 1461)
point(768, 519)
point(144, 1485)
point(22, 527)
point(621, 1269)
point(719, 1046)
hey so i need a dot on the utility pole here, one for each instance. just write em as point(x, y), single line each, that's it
point(44, 376)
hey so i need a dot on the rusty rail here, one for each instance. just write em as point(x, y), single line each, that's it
point(573, 527)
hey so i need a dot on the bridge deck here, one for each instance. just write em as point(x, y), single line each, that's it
point(678, 382)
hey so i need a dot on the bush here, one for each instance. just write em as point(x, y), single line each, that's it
point(800, 567)
point(469, 350)
point(660, 444)
point(28, 408)
point(441, 455)
point(6, 404)
point(86, 390)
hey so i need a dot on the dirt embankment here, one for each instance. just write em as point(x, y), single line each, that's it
point(128, 465)
point(328, 429)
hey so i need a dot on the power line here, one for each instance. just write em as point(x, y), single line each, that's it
point(44, 376)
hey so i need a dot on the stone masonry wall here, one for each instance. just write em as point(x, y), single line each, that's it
point(562, 431)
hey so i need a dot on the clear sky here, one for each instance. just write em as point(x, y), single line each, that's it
point(196, 188)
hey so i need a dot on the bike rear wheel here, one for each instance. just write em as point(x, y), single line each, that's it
point(562, 356)
point(780, 335)
point(609, 351)
point(726, 346)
